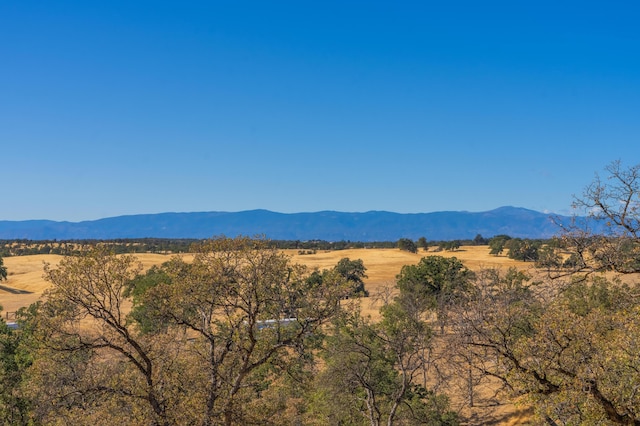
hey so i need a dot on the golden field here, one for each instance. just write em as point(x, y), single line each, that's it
point(25, 283)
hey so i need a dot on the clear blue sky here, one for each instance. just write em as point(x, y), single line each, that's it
point(124, 107)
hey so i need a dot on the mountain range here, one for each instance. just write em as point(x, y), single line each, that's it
point(323, 225)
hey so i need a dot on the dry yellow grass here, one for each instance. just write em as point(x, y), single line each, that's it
point(26, 284)
point(384, 264)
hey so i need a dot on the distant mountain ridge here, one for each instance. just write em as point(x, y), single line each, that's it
point(323, 225)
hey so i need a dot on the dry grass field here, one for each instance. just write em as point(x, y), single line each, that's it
point(384, 264)
point(26, 285)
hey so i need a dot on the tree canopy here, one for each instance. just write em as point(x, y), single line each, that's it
point(564, 344)
point(3, 270)
point(232, 320)
point(407, 245)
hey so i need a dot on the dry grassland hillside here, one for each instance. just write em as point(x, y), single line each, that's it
point(25, 283)
point(384, 264)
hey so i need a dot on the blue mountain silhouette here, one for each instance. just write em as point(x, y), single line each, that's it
point(323, 225)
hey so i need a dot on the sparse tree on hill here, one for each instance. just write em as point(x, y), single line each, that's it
point(352, 273)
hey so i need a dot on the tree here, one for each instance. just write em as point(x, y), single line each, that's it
point(548, 258)
point(407, 245)
point(144, 311)
point(498, 310)
point(609, 239)
point(353, 271)
point(234, 320)
point(449, 245)
point(524, 250)
point(3, 270)
point(433, 284)
point(479, 240)
point(16, 357)
point(616, 200)
point(423, 244)
point(584, 343)
point(567, 348)
point(569, 354)
point(497, 244)
point(14, 408)
point(250, 311)
point(371, 372)
point(85, 371)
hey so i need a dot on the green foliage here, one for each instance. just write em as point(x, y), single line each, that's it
point(423, 243)
point(523, 250)
point(146, 312)
point(15, 359)
point(586, 338)
point(548, 257)
point(76, 247)
point(628, 250)
point(574, 261)
point(371, 370)
point(449, 245)
point(407, 245)
point(351, 271)
point(139, 285)
point(23, 247)
point(479, 240)
point(569, 353)
point(434, 282)
point(497, 244)
point(204, 344)
point(597, 294)
point(3, 270)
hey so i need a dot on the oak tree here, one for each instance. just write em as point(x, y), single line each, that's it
point(232, 321)
point(3, 270)
point(372, 371)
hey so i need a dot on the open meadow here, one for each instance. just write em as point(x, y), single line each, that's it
point(25, 283)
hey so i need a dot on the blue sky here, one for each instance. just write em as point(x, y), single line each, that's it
point(125, 107)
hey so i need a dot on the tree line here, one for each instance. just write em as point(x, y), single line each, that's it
point(516, 248)
point(25, 247)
